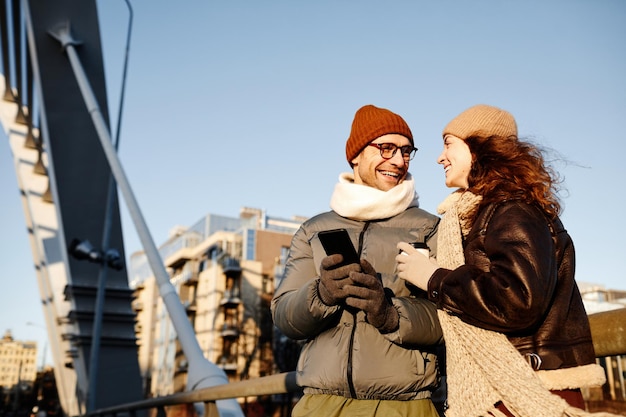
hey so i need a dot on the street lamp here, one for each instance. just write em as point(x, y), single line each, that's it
point(83, 249)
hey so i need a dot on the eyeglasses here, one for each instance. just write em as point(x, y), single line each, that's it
point(388, 150)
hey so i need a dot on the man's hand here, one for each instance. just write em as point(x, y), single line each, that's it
point(367, 293)
point(334, 279)
point(414, 266)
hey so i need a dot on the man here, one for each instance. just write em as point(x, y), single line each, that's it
point(369, 338)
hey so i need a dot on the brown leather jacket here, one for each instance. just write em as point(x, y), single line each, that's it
point(519, 280)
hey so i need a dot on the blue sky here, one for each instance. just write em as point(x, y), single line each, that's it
point(246, 103)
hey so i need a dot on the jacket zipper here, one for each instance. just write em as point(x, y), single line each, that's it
point(354, 323)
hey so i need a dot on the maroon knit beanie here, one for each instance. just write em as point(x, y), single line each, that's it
point(371, 122)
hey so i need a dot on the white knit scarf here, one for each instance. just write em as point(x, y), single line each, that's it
point(362, 202)
point(483, 367)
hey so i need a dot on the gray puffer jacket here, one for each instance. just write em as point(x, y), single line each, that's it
point(343, 354)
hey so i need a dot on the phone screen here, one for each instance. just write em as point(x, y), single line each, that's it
point(338, 241)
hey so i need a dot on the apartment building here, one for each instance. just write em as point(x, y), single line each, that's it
point(18, 361)
point(598, 298)
point(224, 270)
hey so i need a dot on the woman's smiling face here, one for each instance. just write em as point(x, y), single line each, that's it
point(456, 159)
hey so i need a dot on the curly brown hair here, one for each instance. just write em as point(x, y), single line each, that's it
point(506, 168)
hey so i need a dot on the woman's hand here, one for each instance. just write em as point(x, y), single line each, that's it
point(414, 267)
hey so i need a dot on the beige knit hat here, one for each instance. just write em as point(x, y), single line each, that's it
point(371, 122)
point(482, 120)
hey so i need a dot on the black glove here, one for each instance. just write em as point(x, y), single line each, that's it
point(333, 279)
point(367, 293)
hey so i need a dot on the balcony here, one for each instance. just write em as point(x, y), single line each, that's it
point(229, 331)
point(185, 277)
point(230, 299)
point(231, 267)
point(191, 279)
point(228, 363)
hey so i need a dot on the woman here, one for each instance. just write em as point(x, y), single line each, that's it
point(504, 277)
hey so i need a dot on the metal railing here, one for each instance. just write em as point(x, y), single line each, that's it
point(607, 328)
point(282, 383)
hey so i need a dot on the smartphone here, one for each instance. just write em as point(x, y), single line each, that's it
point(338, 241)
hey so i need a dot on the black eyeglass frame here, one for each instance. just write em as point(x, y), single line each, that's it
point(408, 152)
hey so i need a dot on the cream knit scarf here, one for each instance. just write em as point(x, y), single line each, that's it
point(483, 367)
point(362, 202)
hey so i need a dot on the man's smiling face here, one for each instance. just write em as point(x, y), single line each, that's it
point(371, 169)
